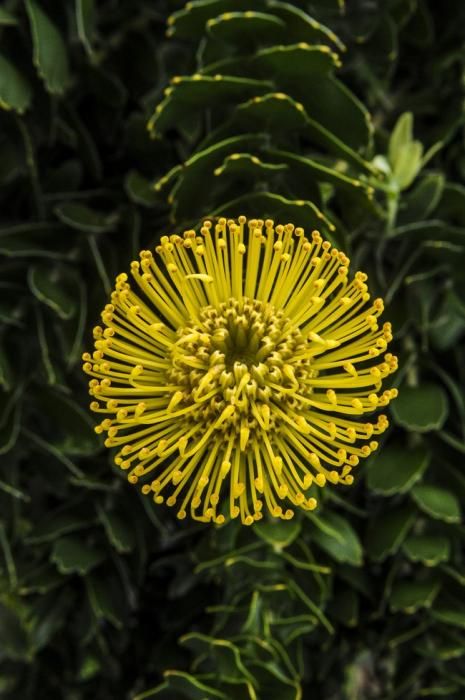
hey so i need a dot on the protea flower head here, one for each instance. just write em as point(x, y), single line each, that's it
point(236, 367)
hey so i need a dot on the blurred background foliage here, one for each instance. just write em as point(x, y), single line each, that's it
point(121, 121)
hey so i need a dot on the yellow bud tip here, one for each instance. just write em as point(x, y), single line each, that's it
point(314, 460)
point(225, 467)
point(307, 481)
point(238, 490)
point(332, 398)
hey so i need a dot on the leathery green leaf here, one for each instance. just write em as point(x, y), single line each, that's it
point(338, 539)
point(278, 533)
point(73, 555)
point(74, 433)
point(85, 20)
point(449, 616)
point(388, 530)
point(190, 21)
point(13, 635)
point(118, 531)
point(48, 287)
point(241, 27)
point(15, 91)
point(7, 18)
point(345, 607)
point(421, 408)
point(50, 54)
point(429, 549)
point(437, 502)
point(400, 138)
point(83, 218)
point(105, 597)
point(200, 92)
point(396, 469)
point(409, 596)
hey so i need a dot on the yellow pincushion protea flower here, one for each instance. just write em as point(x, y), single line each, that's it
point(235, 369)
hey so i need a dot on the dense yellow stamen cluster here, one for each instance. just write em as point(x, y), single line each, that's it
point(235, 370)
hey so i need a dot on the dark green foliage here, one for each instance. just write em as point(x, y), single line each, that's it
point(348, 119)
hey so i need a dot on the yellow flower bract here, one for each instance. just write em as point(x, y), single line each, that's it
point(235, 368)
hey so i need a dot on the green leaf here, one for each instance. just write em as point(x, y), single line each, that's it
point(140, 190)
point(29, 242)
point(49, 449)
point(400, 138)
point(73, 431)
point(395, 469)
point(337, 538)
point(245, 164)
point(449, 616)
point(408, 165)
point(50, 615)
point(345, 607)
point(190, 21)
point(86, 20)
point(227, 655)
point(429, 549)
point(281, 114)
point(6, 18)
point(300, 26)
point(119, 531)
point(423, 199)
point(48, 287)
point(245, 27)
point(199, 92)
point(83, 218)
point(191, 188)
point(451, 208)
point(74, 556)
point(330, 98)
point(288, 64)
point(387, 532)
point(422, 408)
point(437, 502)
point(13, 635)
point(90, 667)
point(409, 596)
point(64, 522)
point(278, 533)
point(50, 55)
point(405, 154)
point(15, 91)
point(41, 580)
point(301, 212)
point(106, 597)
point(307, 168)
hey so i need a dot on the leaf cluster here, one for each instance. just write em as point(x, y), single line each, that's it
point(346, 118)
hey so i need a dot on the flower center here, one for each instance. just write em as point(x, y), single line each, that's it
point(240, 365)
